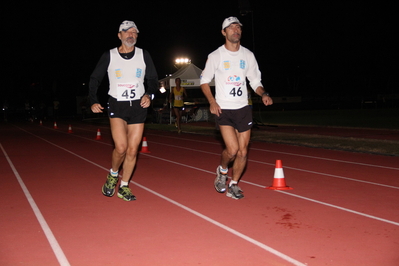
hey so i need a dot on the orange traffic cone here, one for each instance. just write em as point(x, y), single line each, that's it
point(69, 129)
point(279, 180)
point(55, 125)
point(144, 146)
point(98, 137)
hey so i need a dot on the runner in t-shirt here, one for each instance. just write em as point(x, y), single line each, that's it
point(231, 64)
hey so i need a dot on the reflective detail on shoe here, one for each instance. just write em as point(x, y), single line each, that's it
point(109, 186)
point(220, 181)
point(235, 192)
point(125, 193)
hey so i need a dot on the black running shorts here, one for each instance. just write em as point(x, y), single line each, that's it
point(130, 111)
point(240, 119)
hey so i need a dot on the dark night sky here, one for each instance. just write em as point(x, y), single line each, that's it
point(301, 47)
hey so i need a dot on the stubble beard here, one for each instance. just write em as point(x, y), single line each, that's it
point(234, 38)
point(129, 42)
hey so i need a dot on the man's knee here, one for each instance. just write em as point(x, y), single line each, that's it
point(120, 149)
point(242, 153)
point(231, 152)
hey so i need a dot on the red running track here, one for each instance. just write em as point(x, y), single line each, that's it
point(343, 209)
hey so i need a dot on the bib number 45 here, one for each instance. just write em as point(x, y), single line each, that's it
point(129, 95)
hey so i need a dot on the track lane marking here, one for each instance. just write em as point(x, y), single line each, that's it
point(287, 167)
point(287, 193)
point(63, 261)
point(289, 153)
point(225, 227)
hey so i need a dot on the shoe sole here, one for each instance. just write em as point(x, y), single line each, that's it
point(231, 195)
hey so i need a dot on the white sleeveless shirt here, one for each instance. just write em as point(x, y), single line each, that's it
point(126, 76)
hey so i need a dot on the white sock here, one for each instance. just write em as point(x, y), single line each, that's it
point(113, 173)
point(123, 183)
point(232, 182)
point(223, 171)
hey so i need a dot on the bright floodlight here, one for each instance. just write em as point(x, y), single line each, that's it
point(182, 61)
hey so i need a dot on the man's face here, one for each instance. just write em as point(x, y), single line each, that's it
point(233, 33)
point(129, 37)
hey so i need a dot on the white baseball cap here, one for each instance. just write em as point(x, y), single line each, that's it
point(230, 20)
point(127, 24)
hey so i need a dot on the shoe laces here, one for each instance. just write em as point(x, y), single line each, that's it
point(126, 190)
point(236, 188)
point(112, 181)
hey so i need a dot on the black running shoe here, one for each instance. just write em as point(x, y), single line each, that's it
point(235, 192)
point(126, 194)
point(109, 186)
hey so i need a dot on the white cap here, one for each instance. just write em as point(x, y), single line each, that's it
point(228, 21)
point(127, 24)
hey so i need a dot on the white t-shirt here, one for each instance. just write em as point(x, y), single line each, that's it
point(126, 76)
point(230, 70)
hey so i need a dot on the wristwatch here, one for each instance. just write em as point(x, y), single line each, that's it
point(265, 93)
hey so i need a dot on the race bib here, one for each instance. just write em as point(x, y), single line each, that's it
point(128, 91)
point(234, 87)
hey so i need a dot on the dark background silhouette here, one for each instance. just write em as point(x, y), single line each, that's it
point(343, 51)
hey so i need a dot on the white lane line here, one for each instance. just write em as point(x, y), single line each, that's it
point(288, 153)
point(247, 238)
point(287, 167)
point(335, 176)
point(328, 159)
point(287, 193)
point(341, 208)
point(199, 169)
point(224, 227)
point(46, 229)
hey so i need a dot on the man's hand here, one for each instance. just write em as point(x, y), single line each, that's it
point(145, 101)
point(97, 108)
point(267, 100)
point(215, 109)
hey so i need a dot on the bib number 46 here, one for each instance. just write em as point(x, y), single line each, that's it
point(236, 92)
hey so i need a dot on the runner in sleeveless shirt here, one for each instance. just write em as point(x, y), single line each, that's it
point(128, 67)
point(177, 99)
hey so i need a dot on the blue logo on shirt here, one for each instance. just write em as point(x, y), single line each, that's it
point(242, 64)
point(139, 71)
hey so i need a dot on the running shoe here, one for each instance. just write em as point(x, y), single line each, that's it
point(235, 192)
point(126, 194)
point(109, 186)
point(220, 181)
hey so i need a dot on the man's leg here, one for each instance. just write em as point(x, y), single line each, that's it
point(118, 130)
point(236, 151)
point(227, 156)
point(119, 136)
point(241, 158)
point(177, 112)
point(231, 142)
point(134, 137)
